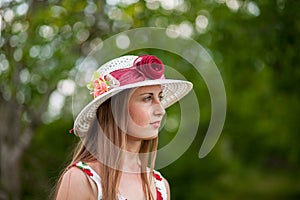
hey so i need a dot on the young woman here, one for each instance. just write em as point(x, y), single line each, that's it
point(119, 133)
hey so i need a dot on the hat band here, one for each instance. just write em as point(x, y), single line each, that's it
point(144, 68)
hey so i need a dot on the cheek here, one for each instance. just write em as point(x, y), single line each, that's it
point(139, 115)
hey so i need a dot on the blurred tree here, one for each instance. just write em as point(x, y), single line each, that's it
point(38, 48)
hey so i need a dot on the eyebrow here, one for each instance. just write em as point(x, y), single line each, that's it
point(151, 93)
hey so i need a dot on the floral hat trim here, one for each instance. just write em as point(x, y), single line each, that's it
point(145, 67)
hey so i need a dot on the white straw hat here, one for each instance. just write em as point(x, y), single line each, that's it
point(124, 73)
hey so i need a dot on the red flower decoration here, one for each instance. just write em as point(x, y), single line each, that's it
point(100, 86)
point(151, 66)
point(157, 177)
point(144, 67)
point(158, 195)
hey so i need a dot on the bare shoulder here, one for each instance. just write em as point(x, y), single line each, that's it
point(74, 185)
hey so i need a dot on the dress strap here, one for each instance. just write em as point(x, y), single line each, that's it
point(91, 174)
point(161, 190)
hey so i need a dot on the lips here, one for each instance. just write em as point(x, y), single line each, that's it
point(156, 124)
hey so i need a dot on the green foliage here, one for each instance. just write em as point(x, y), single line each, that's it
point(257, 156)
point(49, 154)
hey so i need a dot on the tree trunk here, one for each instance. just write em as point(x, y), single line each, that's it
point(13, 141)
point(10, 173)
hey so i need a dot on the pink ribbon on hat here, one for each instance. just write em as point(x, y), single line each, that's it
point(144, 67)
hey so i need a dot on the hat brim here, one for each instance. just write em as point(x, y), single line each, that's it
point(173, 91)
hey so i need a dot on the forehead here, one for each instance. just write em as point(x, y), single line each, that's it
point(148, 89)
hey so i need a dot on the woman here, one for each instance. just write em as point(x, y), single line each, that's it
point(119, 133)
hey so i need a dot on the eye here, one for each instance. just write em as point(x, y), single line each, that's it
point(148, 98)
point(161, 97)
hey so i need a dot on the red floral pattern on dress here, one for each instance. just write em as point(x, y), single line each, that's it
point(157, 177)
point(158, 195)
point(83, 167)
point(88, 172)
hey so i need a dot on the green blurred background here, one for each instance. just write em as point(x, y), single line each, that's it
point(255, 45)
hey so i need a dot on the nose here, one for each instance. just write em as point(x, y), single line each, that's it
point(159, 109)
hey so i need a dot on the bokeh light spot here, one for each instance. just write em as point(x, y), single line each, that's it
point(122, 41)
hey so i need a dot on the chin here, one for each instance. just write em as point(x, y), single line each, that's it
point(149, 135)
point(150, 138)
point(138, 137)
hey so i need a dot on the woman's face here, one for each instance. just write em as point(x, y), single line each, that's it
point(145, 112)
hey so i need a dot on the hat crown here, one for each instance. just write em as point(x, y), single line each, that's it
point(116, 64)
point(125, 70)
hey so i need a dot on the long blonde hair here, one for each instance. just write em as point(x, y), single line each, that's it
point(109, 125)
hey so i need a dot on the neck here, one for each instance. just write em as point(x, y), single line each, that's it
point(133, 144)
point(131, 157)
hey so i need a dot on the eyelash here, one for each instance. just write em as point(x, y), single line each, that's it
point(161, 97)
